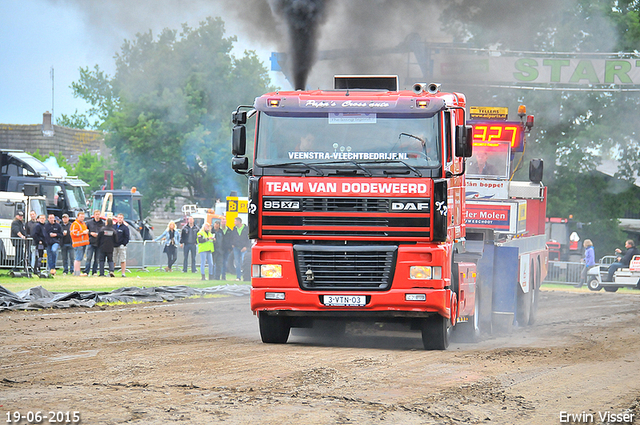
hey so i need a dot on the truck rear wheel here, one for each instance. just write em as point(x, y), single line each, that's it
point(435, 332)
point(611, 288)
point(469, 331)
point(535, 294)
point(524, 307)
point(274, 329)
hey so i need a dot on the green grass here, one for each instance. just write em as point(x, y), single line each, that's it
point(557, 286)
point(136, 278)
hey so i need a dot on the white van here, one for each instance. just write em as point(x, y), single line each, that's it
point(10, 204)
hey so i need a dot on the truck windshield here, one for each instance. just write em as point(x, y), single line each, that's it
point(38, 205)
point(330, 137)
point(75, 197)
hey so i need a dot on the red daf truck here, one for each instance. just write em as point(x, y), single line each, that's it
point(357, 205)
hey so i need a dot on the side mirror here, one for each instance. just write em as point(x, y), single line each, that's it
point(239, 117)
point(239, 140)
point(240, 164)
point(464, 141)
point(536, 167)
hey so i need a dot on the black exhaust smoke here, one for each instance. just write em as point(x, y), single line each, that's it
point(302, 18)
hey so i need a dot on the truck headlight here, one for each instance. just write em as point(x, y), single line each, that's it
point(425, 272)
point(266, 270)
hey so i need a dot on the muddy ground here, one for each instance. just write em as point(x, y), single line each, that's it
point(202, 361)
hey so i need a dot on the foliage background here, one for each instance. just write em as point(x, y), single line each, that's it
point(166, 109)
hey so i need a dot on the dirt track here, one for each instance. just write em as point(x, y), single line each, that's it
point(202, 361)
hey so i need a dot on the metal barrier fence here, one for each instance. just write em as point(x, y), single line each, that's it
point(564, 272)
point(569, 273)
point(146, 255)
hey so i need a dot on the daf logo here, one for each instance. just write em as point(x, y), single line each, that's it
point(409, 206)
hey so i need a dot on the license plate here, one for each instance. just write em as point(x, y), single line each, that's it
point(345, 300)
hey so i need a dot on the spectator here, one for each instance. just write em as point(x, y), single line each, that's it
point(40, 242)
point(80, 241)
point(241, 244)
point(205, 249)
point(122, 240)
point(106, 242)
point(589, 261)
point(66, 246)
point(188, 240)
point(31, 224)
point(94, 225)
point(227, 248)
point(217, 250)
point(623, 261)
point(53, 238)
point(171, 238)
point(19, 239)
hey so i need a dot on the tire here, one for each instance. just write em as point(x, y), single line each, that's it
point(274, 329)
point(469, 331)
point(535, 296)
point(436, 331)
point(611, 288)
point(523, 311)
point(594, 285)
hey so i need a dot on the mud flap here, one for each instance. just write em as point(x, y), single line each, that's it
point(505, 287)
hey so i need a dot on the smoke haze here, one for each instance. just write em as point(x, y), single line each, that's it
point(325, 37)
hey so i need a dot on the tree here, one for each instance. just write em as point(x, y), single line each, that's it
point(89, 168)
point(574, 130)
point(75, 120)
point(167, 110)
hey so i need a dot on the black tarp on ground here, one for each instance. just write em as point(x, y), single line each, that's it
point(38, 297)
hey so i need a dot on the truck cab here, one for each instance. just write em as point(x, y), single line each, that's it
point(129, 204)
point(64, 194)
point(356, 201)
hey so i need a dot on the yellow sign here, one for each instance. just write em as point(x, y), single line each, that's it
point(232, 210)
point(488, 112)
point(243, 206)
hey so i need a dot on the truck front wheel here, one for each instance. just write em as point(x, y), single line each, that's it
point(274, 329)
point(435, 332)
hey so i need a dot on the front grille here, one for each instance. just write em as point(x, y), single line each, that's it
point(363, 218)
point(344, 267)
point(369, 205)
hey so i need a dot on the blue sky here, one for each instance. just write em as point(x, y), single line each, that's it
point(36, 35)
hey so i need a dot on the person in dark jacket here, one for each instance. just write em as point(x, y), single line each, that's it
point(19, 239)
point(106, 242)
point(30, 226)
point(623, 260)
point(188, 240)
point(227, 247)
point(241, 245)
point(122, 239)
point(53, 237)
point(94, 225)
point(39, 241)
point(66, 245)
point(217, 250)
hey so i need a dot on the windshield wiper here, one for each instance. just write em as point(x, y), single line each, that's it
point(286, 164)
point(349, 161)
point(397, 161)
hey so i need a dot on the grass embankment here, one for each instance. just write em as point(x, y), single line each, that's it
point(136, 278)
point(571, 288)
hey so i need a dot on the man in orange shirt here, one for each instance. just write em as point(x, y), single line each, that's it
point(80, 240)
